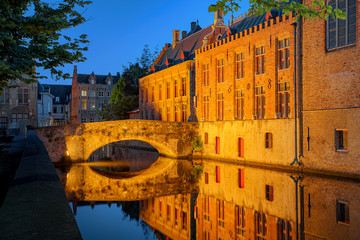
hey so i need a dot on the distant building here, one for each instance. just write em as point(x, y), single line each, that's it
point(90, 93)
point(61, 103)
point(45, 106)
point(18, 106)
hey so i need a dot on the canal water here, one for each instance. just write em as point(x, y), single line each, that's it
point(127, 193)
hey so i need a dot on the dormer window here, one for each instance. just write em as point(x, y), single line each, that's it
point(109, 82)
point(57, 99)
point(92, 81)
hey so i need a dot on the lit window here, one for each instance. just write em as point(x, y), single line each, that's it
point(260, 226)
point(175, 88)
point(184, 220)
point(284, 230)
point(206, 74)
point(160, 92)
point(220, 106)
point(83, 104)
point(83, 93)
point(284, 53)
point(240, 63)
point(341, 32)
point(260, 101)
point(220, 213)
point(240, 103)
point(176, 113)
point(183, 87)
point(167, 90)
point(240, 221)
point(260, 60)
point(220, 70)
point(217, 146)
point(206, 107)
point(284, 99)
point(217, 174)
point(184, 113)
point(341, 139)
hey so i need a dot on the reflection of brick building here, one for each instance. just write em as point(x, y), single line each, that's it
point(170, 215)
point(89, 94)
point(18, 105)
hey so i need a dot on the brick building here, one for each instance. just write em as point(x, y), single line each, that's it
point(89, 94)
point(18, 106)
point(167, 92)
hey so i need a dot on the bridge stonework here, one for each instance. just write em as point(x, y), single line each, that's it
point(78, 141)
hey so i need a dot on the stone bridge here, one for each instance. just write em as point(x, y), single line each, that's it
point(78, 141)
point(166, 176)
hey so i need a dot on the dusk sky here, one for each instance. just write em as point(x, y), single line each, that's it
point(118, 30)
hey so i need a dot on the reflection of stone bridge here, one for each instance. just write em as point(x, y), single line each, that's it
point(79, 141)
point(84, 182)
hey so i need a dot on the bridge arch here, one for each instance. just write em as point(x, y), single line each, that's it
point(78, 141)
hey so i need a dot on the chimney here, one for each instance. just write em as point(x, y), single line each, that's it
point(176, 37)
point(193, 25)
point(183, 34)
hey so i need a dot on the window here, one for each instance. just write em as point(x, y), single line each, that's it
point(240, 221)
point(23, 95)
point(183, 87)
point(57, 99)
point(206, 178)
point(83, 119)
point(220, 70)
point(101, 93)
point(284, 53)
point(241, 178)
point(153, 205)
point(168, 114)
point(240, 63)
point(175, 88)
point(83, 104)
point(108, 93)
point(260, 101)
point(268, 140)
point(260, 60)
point(152, 94)
point(92, 93)
point(92, 118)
point(160, 113)
point(92, 81)
point(206, 107)
point(206, 74)
point(240, 103)
point(152, 114)
point(184, 113)
point(83, 93)
point(92, 105)
point(176, 113)
point(176, 216)
point(341, 32)
point(206, 140)
point(146, 95)
point(342, 212)
point(240, 147)
point(101, 103)
point(284, 99)
point(217, 174)
point(220, 213)
point(55, 109)
point(160, 208)
point(159, 92)
point(206, 208)
point(184, 220)
point(4, 98)
point(284, 230)
point(167, 90)
point(168, 212)
point(341, 140)
point(220, 106)
point(260, 226)
point(217, 145)
point(269, 193)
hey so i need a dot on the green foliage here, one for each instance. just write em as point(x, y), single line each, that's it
point(117, 92)
point(31, 37)
point(197, 144)
point(318, 8)
point(118, 110)
point(197, 171)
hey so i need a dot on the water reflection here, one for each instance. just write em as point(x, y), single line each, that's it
point(229, 201)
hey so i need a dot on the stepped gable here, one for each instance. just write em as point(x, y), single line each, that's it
point(188, 45)
point(61, 91)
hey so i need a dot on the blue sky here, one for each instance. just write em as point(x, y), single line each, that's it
point(118, 30)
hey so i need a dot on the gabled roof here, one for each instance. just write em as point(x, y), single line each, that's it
point(100, 79)
point(188, 45)
point(61, 91)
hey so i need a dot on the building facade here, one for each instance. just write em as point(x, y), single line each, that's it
point(45, 106)
point(167, 92)
point(61, 104)
point(89, 94)
point(18, 106)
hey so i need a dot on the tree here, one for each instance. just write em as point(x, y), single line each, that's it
point(30, 37)
point(317, 9)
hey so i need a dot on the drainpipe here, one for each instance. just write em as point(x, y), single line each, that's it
point(296, 160)
point(296, 181)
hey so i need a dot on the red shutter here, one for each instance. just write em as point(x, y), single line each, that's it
point(217, 145)
point(218, 174)
point(241, 178)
